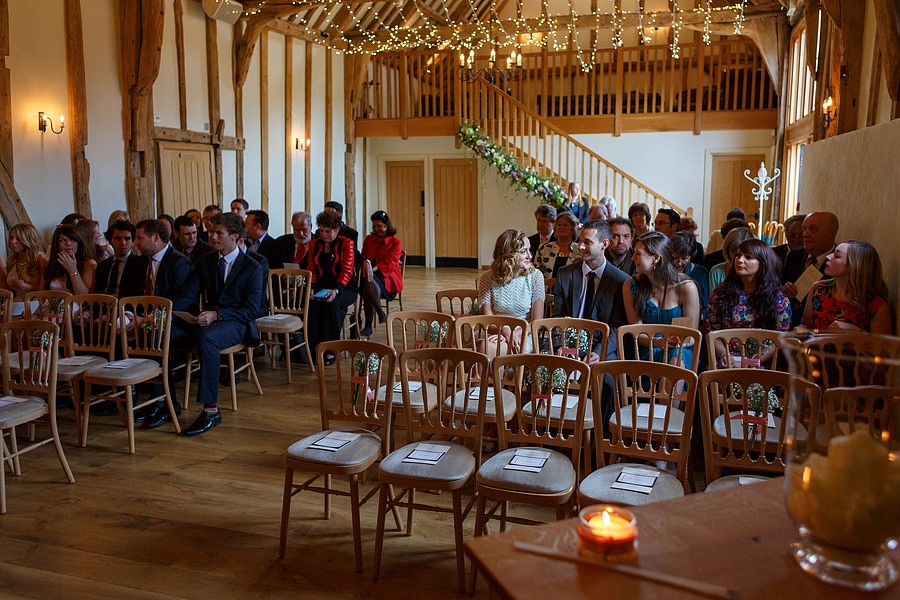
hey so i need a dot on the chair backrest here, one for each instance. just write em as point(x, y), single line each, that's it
point(570, 337)
point(869, 407)
point(53, 306)
point(455, 375)
point(289, 291)
point(348, 389)
point(672, 344)
point(6, 299)
point(145, 325)
point(93, 320)
point(483, 333)
point(743, 348)
point(457, 302)
point(550, 402)
point(409, 330)
point(36, 344)
point(741, 415)
point(652, 411)
point(846, 359)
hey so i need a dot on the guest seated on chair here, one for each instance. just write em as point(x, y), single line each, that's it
point(381, 270)
point(70, 267)
point(640, 216)
point(331, 258)
point(26, 262)
point(856, 296)
point(564, 250)
point(682, 247)
point(545, 217)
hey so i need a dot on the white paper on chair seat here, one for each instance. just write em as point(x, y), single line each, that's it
point(659, 411)
point(528, 459)
point(9, 400)
point(414, 386)
point(76, 360)
point(426, 454)
point(635, 480)
point(749, 480)
point(770, 421)
point(280, 317)
point(124, 363)
point(556, 401)
point(477, 390)
point(334, 441)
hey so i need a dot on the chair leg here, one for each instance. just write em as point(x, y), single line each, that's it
point(252, 368)
point(357, 528)
point(85, 416)
point(287, 356)
point(409, 510)
point(14, 452)
point(285, 509)
point(309, 357)
point(231, 383)
point(479, 531)
point(379, 530)
point(76, 404)
point(327, 485)
point(129, 417)
point(170, 404)
point(187, 379)
point(2, 475)
point(60, 454)
point(458, 534)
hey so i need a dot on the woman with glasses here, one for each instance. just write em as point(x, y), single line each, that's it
point(640, 216)
point(750, 296)
point(856, 296)
point(381, 270)
point(658, 294)
point(512, 286)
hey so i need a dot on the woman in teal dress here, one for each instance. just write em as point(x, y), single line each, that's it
point(657, 294)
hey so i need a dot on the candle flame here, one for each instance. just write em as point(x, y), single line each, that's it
point(605, 516)
point(807, 477)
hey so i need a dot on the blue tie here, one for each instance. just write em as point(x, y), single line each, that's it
point(222, 266)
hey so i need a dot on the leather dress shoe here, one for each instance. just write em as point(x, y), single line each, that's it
point(104, 409)
point(159, 416)
point(141, 415)
point(206, 421)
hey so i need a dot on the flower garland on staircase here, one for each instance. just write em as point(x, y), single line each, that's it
point(526, 179)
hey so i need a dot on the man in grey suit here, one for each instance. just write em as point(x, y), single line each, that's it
point(604, 303)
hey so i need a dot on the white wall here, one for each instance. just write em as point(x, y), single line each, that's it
point(674, 164)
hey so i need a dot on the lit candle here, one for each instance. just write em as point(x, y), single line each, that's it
point(607, 532)
point(462, 59)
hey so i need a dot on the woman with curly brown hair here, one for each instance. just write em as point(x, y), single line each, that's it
point(512, 286)
point(26, 262)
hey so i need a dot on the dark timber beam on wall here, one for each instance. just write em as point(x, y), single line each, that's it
point(78, 123)
point(11, 206)
point(216, 125)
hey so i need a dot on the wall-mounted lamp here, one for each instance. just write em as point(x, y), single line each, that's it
point(42, 123)
point(301, 146)
point(828, 114)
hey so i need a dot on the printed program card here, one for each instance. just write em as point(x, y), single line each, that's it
point(124, 363)
point(185, 316)
point(749, 480)
point(334, 441)
point(556, 401)
point(635, 480)
point(528, 459)
point(292, 266)
point(414, 386)
point(659, 411)
point(807, 280)
point(10, 400)
point(76, 360)
point(426, 454)
point(683, 321)
point(477, 390)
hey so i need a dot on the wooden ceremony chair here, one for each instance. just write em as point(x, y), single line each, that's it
point(653, 410)
point(352, 421)
point(399, 297)
point(454, 372)
point(30, 393)
point(846, 359)
point(6, 300)
point(144, 332)
point(288, 291)
point(741, 415)
point(747, 348)
point(551, 401)
point(457, 302)
point(670, 343)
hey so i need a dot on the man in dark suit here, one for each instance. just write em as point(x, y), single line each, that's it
point(619, 251)
point(208, 212)
point(574, 296)
point(258, 238)
point(160, 270)
point(187, 241)
point(819, 235)
point(110, 271)
point(545, 217)
point(231, 285)
point(292, 247)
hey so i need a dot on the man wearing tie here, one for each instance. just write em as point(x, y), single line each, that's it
point(258, 238)
point(292, 247)
point(231, 285)
point(109, 271)
point(819, 235)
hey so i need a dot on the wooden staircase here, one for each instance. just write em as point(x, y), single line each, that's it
point(535, 142)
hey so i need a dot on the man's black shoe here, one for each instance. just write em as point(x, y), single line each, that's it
point(206, 421)
point(159, 416)
point(104, 409)
point(141, 415)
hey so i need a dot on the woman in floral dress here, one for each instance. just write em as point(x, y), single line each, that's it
point(552, 256)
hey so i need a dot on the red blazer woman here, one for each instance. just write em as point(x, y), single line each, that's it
point(384, 254)
point(341, 271)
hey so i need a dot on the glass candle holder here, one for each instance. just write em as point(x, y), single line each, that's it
point(607, 532)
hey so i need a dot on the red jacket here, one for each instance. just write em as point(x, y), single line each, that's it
point(385, 254)
point(342, 269)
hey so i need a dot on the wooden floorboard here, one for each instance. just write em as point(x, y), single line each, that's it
point(198, 517)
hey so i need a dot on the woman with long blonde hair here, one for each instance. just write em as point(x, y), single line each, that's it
point(856, 296)
point(26, 261)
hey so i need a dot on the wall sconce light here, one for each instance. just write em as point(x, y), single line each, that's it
point(828, 114)
point(301, 146)
point(42, 123)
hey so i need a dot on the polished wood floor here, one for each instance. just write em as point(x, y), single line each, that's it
point(198, 517)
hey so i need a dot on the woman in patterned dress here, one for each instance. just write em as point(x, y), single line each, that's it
point(750, 296)
point(856, 298)
point(552, 256)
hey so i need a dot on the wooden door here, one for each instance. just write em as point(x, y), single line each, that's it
point(186, 177)
point(731, 189)
point(456, 213)
point(405, 189)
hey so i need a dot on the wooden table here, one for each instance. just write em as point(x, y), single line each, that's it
point(737, 538)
